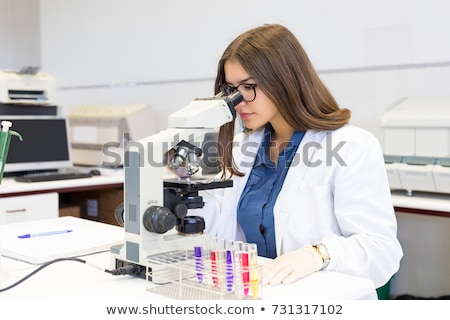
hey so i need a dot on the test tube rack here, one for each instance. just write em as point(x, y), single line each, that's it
point(182, 276)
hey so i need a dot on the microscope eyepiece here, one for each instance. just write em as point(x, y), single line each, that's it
point(233, 100)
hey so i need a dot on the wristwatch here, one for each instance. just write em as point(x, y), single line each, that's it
point(323, 252)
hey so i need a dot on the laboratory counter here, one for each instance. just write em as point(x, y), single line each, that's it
point(74, 280)
point(420, 204)
point(109, 178)
point(436, 204)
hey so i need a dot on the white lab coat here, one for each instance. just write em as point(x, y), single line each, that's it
point(341, 199)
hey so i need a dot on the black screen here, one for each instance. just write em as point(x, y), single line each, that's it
point(43, 140)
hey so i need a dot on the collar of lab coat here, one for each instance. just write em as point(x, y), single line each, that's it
point(245, 149)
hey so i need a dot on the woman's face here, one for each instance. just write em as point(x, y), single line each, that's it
point(258, 112)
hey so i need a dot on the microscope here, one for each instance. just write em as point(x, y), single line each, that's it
point(154, 212)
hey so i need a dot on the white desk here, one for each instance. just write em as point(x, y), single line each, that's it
point(429, 202)
point(437, 204)
point(73, 280)
point(27, 201)
point(9, 187)
point(68, 279)
point(420, 203)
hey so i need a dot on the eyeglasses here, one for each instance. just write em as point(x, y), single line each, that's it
point(247, 90)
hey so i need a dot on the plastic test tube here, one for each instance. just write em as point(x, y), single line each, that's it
point(245, 272)
point(214, 259)
point(221, 260)
point(229, 260)
point(199, 255)
point(254, 274)
point(238, 245)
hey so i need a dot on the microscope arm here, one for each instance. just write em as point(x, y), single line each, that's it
point(144, 172)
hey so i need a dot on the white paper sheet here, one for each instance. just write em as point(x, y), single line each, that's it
point(85, 238)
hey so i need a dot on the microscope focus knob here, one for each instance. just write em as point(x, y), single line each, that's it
point(191, 225)
point(158, 219)
point(180, 210)
point(118, 214)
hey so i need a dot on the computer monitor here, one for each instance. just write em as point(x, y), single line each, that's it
point(45, 144)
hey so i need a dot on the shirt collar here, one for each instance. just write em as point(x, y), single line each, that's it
point(262, 156)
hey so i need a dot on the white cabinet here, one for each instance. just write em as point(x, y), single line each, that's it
point(29, 207)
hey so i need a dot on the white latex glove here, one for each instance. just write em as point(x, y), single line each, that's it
point(292, 266)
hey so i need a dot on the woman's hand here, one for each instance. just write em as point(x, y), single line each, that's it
point(292, 266)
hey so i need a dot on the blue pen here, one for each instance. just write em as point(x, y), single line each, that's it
point(42, 234)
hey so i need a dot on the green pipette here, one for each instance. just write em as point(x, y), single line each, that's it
point(5, 138)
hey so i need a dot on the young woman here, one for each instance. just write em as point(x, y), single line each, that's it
point(308, 188)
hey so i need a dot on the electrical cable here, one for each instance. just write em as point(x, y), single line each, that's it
point(130, 269)
point(44, 266)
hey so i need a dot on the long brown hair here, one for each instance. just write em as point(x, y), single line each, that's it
point(274, 57)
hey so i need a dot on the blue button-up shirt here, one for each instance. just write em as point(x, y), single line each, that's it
point(255, 208)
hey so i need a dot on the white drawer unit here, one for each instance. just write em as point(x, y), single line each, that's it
point(29, 207)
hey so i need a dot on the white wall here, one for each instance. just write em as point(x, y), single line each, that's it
point(19, 34)
point(371, 54)
point(5, 31)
